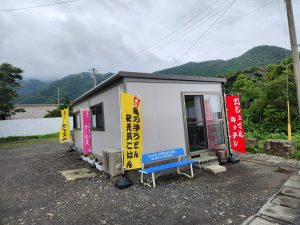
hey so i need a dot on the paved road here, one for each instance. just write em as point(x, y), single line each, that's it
point(33, 191)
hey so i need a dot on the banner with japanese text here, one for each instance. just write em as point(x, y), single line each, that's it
point(64, 133)
point(235, 123)
point(86, 132)
point(132, 137)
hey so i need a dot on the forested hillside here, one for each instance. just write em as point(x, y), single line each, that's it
point(260, 56)
point(70, 87)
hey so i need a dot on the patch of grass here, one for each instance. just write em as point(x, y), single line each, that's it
point(15, 141)
point(297, 155)
point(24, 138)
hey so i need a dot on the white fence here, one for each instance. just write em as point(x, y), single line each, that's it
point(27, 127)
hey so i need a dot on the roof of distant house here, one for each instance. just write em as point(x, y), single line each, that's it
point(33, 111)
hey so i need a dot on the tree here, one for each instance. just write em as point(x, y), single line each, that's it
point(57, 112)
point(264, 98)
point(9, 77)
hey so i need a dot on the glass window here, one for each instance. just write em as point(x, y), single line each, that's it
point(97, 114)
point(215, 133)
point(212, 105)
point(193, 106)
point(195, 122)
point(214, 120)
point(76, 120)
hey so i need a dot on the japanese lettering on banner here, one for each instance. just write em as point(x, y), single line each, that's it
point(64, 133)
point(235, 124)
point(132, 137)
point(86, 132)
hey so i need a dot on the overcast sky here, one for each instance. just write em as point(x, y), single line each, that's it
point(135, 35)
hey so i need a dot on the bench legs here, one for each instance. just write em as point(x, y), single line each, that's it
point(192, 172)
point(152, 180)
point(178, 171)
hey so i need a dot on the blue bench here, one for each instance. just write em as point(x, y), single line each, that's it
point(160, 157)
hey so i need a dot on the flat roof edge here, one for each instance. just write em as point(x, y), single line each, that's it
point(170, 77)
point(123, 74)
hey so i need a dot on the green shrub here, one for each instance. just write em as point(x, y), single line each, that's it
point(297, 155)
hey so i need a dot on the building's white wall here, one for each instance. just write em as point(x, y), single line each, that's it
point(27, 127)
point(162, 113)
point(111, 137)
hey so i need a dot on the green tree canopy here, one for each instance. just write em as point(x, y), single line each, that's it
point(264, 98)
point(57, 112)
point(9, 77)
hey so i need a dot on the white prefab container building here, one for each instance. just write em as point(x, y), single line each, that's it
point(177, 112)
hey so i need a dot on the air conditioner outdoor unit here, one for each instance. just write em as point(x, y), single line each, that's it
point(112, 161)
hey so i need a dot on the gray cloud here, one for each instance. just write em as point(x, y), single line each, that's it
point(113, 35)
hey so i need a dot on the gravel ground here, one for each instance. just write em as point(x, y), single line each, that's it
point(32, 191)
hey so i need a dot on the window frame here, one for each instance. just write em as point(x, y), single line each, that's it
point(94, 109)
point(78, 126)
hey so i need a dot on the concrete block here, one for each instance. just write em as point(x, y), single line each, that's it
point(292, 184)
point(280, 212)
point(260, 221)
point(215, 169)
point(295, 177)
point(251, 142)
point(78, 173)
point(287, 201)
point(293, 192)
point(283, 148)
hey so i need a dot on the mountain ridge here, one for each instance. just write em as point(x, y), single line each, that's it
point(259, 56)
point(72, 86)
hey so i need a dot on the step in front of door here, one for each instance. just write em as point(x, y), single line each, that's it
point(206, 161)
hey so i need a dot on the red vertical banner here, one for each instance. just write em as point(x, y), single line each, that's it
point(235, 123)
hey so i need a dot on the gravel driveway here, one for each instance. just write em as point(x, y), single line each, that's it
point(33, 191)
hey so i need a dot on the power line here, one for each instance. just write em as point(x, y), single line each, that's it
point(249, 13)
point(195, 25)
point(180, 27)
point(207, 30)
point(37, 6)
point(175, 33)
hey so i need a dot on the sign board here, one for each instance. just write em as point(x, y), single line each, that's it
point(86, 132)
point(132, 137)
point(64, 133)
point(235, 124)
point(163, 155)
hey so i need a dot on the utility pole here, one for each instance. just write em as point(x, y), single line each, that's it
point(94, 76)
point(294, 46)
point(58, 95)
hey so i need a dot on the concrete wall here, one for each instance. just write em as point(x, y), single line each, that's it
point(111, 137)
point(27, 127)
point(162, 112)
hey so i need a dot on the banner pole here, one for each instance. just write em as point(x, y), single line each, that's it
point(121, 131)
point(227, 127)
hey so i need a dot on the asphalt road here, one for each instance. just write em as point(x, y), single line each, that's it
point(33, 191)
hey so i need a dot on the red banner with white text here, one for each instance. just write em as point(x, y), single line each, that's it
point(235, 123)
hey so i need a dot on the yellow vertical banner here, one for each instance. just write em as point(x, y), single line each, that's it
point(132, 137)
point(64, 133)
